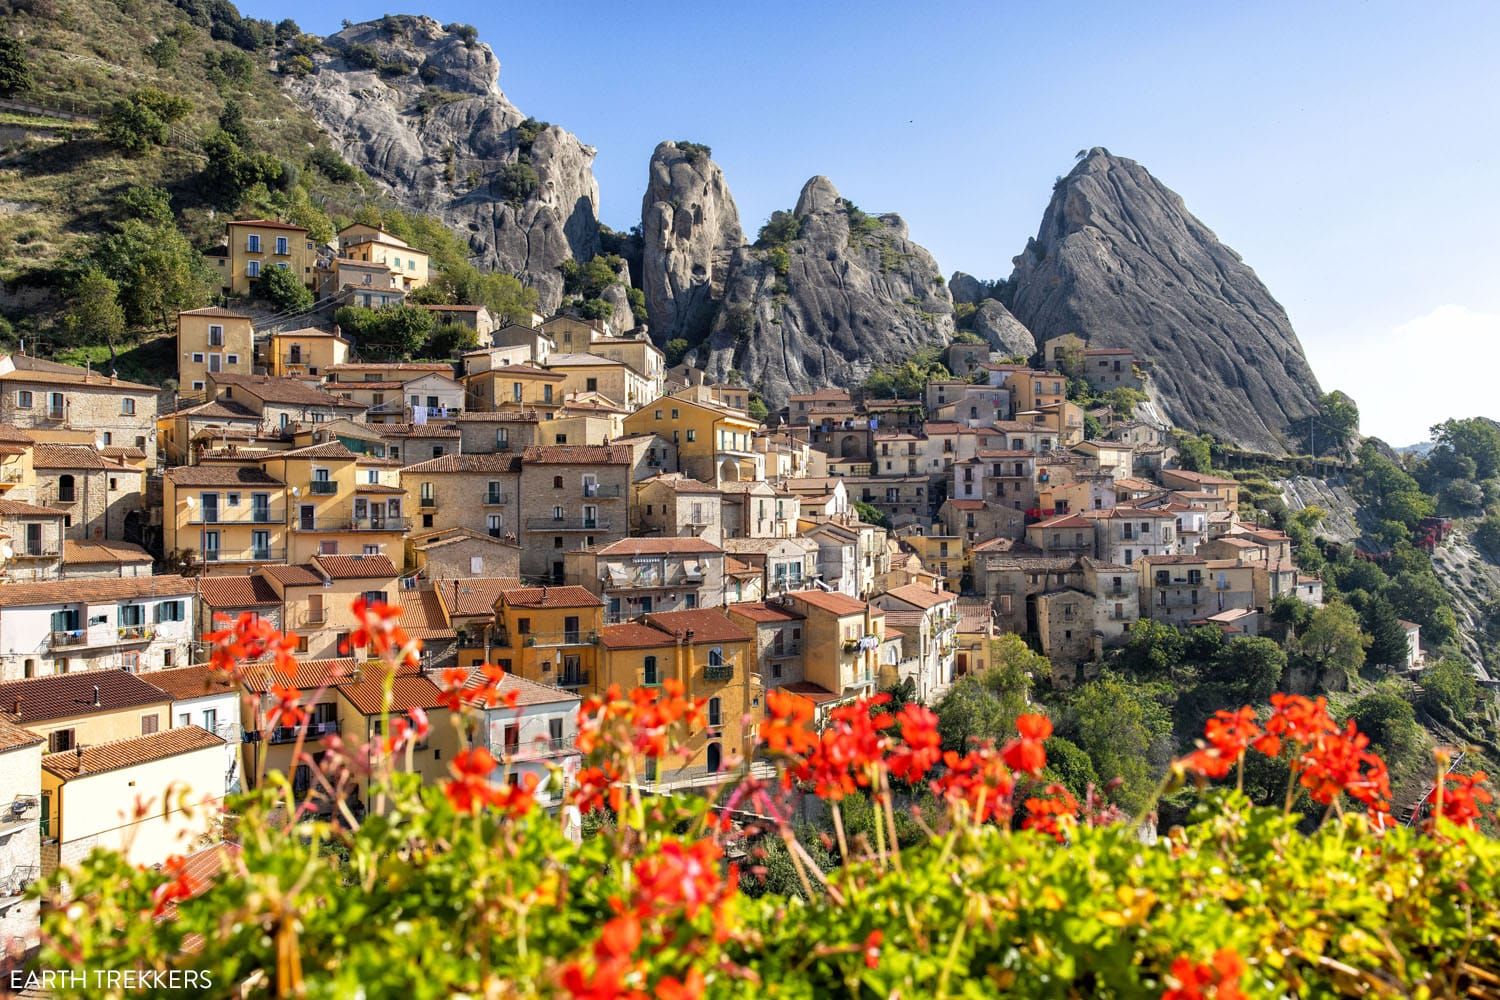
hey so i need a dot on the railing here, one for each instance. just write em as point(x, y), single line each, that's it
point(249, 555)
point(49, 550)
point(254, 517)
point(19, 880)
point(719, 672)
point(569, 637)
point(294, 359)
point(73, 637)
point(791, 649)
point(323, 487)
point(315, 731)
point(135, 633)
point(568, 524)
point(603, 491)
point(378, 524)
point(570, 679)
point(496, 497)
point(427, 503)
point(531, 749)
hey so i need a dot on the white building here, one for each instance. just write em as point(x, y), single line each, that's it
point(538, 735)
point(63, 626)
point(932, 615)
point(20, 834)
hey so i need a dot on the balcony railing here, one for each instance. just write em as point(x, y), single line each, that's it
point(569, 524)
point(294, 359)
point(785, 652)
point(315, 731)
point(323, 487)
point(494, 498)
point(570, 679)
point(135, 633)
point(719, 672)
point(72, 637)
point(603, 491)
point(378, 524)
point(312, 619)
point(427, 503)
point(532, 749)
point(569, 637)
point(47, 550)
point(265, 554)
point(263, 516)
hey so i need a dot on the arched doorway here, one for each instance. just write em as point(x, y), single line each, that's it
point(715, 758)
point(729, 471)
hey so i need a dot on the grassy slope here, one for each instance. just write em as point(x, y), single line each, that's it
point(93, 52)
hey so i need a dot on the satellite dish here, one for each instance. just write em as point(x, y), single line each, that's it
point(6, 551)
point(296, 491)
point(191, 501)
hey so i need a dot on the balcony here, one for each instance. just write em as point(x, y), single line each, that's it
point(573, 637)
point(377, 524)
point(297, 360)
point(78, 638)
point(603, 491)
point(323, 487)
point(570, 679)
point(263, 516)
point(134, 633)
point(535, 749)
point(428, 503)
point(569, 524)
point(719, 672)
point(495, 498)
point(315, 731)
point(47, 550)
point(21, 811)
point(247, 556)
point(785, 652)
point(312, 619)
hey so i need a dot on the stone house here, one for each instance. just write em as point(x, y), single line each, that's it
point(778, 640)
point(306, 352)
point(514, 387)
point(476, 318)
point(282, 402)
point(571, 497)
point(185, 432)
point(637, 576)
point(930, 613)
point(674, 505)
point(467, 491)
point(47, 396)
point(20, 834)
point(502, 431)
point(122, 623)
point(450, 552)
point(785, 564)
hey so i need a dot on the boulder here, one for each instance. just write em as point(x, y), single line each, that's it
point(965, 288)
point(1002, 331)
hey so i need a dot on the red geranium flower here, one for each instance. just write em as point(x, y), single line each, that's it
point(1219, 979)
point(980, 781)
point(179, 887)
point(921, 748)
point(872, 948)
point(1029, 753)
point(1462, 795)
point(787, 726)
point(1055, 814)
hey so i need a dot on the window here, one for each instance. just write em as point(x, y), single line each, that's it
point(557, 484)
point(716, 657)
point(65, 489)
point(184, 719)
point(252, 269)
point(149, 723)
point(591, 385)
point(281, 246)
point(23, 400)
point(692, 435)
point(252, 243)
point(232, 359)
point(59, 740)
point(715, 712)
point(649, 675)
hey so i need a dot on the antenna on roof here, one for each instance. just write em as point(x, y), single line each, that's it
point(96, 696)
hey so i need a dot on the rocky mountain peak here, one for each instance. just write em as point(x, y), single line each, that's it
point(418, 107)
point(1120, 261)
point(818, 196)
point(690, 229)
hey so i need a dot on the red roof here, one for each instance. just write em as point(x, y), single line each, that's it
point(839, 604)
point(356, 567)
point(705, 625)
point(266, 224)
point(550, 597)
point(760, 611)
point(921, 596)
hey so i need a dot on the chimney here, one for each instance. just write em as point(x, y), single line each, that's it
point(96, 700)
point(79, 750)
point(18, 706)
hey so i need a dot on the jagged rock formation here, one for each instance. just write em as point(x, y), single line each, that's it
point(965, 288)
point(419, 109)
point(690, 230)
point(846, 293)
point(1002, 331)
point(622, 318)
point(1120, 261)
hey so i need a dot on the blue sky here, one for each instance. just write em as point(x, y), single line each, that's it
point(1349, 152)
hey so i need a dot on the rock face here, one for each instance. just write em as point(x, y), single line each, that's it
point(420, 110)
point(855, 293)
point(690, 230)
point(623, 318)
point(1120, 261)
point(965, 288)
point(1002, 331)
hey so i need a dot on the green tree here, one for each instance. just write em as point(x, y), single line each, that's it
point(1333, 639)
point(158, 271)
point(15, 68)
point(1387, 634)
point(1152, 649)
point(970, 711)
point(1123, 731)
point(1418, 596)
point(1389, 490)
point(1248, 666)
point(143, 119)
point(1475, 438)
point(395, 332)
point(232, 121)
point(1487, 536)
point(1387, 718)
point(1338, 420)
point(1194, 453)
point(281, 287)
point(869, 513)
point(94, 315)
point(675, 349)
point(148, 203)
point(1449, 686)
point(1070, 359)
point(518, 181)
point(1070, 766)
point(449, 340)
point(758, 410)
point(1289, 611)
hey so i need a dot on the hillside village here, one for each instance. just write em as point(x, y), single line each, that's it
point(558, 501)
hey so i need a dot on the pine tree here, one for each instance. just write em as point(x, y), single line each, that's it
point(1387, 634)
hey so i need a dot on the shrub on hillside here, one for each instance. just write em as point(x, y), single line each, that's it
point(283, 289)
point(143, 120)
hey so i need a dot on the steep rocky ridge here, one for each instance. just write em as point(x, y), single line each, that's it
point(419, 108)
point(690, 230)
point(1120, 261)
point(822, 307)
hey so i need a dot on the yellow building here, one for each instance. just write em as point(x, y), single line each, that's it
point(226, 516)
point(714, 657)
point(943, 555)
point(317, 597)
point(514, 387)
point(367, 243)
point(212, 340)
point(340, 502)
point(842, 640)
point(364, 715)
point(256, 245)
point(17, 464)
point(714, 443)
point(616, 381)
point(1032, 390)
point(304, 352)
point(267, 746)
point(549, 635)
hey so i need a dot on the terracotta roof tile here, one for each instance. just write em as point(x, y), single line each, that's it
point(220, 592)
point(13, 737)
point(40, 699)
point(217, 409)
point(407, 692)
point(67, 456)
point(482, 463)
point(666, 545)
point(633, 635)
point(760, 611)
point(90, 591)
point(376, 567)
point(328, 449)
point(836, 603)
point(15, 508)
point(527, 692)
point(920, 596)
point(475, 595)
point(577, 454)
point(308, 676)
point(422, 615)
point(119, 754)
point(220, 475)
point(295, 576)
point(187, 683)
point(267, 224)
point(274, 389)
point(82, 553)
point(550, 597)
